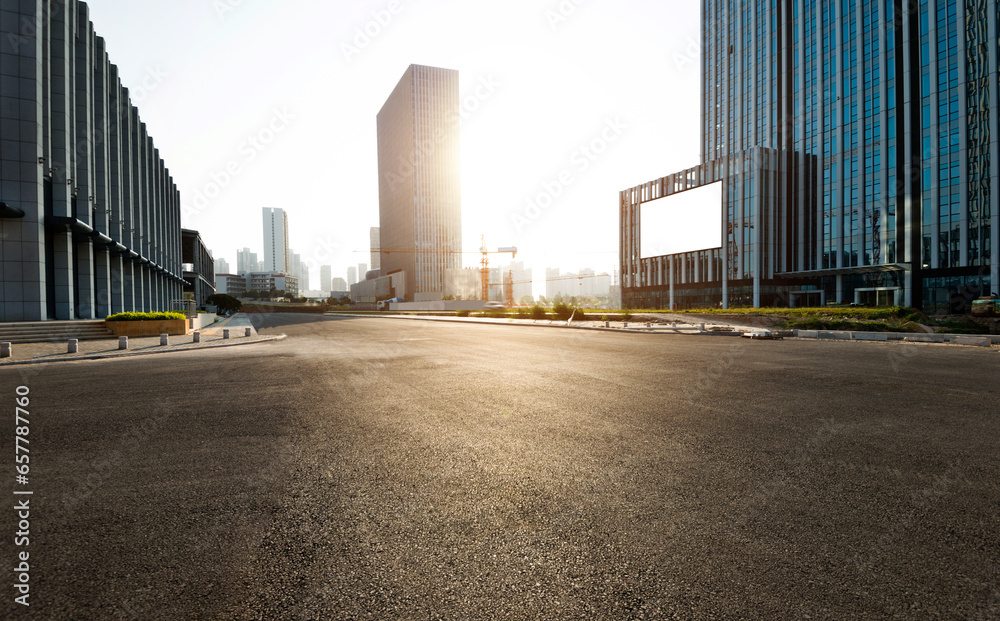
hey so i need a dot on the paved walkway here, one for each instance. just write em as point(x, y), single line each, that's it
point(212, 336)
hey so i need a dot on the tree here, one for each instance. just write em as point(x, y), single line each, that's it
point(225, 302)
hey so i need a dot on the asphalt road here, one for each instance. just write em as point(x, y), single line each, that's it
point(394, 469)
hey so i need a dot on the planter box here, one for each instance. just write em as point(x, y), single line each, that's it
point(148, 328)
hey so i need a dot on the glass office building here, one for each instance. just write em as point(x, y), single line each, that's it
point(856, 144)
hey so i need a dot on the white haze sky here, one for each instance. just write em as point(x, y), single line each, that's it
point(208, 75)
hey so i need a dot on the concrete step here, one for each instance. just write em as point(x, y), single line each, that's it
point(53, 331)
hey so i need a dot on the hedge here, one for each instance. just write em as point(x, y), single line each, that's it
point(145, 316)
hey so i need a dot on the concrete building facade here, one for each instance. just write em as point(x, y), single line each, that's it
point(420, 204)
point(857, 146)
point(266, 281)
point(277, 256)
point(246, 261)
point(326, 278)
point(231, 284)
point(198, 266)
point(373, 241)
point(89, 214)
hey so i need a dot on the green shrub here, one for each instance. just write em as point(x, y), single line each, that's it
point(522, 312)
point(462, 313)
point(145, 316)
point(625, 315)
point(562, 311)
point(537, 312)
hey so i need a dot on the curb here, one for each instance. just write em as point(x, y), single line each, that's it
point(478, 321)
point(126, 354)
point(825, 335)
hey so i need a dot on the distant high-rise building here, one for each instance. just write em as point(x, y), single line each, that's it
point(352, 275)
point(325, 278)
point(246, 261)
point(339, 284)
point(551, 282)
point(362, 270)
point(373, 243)
point(298, 269)
point(276, 252)
point(221, 266)
point(420, 202)
point(522, 279)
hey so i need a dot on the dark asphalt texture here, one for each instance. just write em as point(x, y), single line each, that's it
point(394, 469)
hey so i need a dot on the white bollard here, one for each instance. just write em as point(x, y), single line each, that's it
point(164, 339)
point(197, 336)
point(247, 332)
point(122, 342)
point(73, 346)
point(225, 333)
point(5, 350)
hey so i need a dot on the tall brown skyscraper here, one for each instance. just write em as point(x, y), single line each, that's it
point(420, 201)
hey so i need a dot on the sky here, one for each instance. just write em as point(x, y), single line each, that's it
point(268, 103)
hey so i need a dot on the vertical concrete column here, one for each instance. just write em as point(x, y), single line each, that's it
point(672, 279)
point(117, 288)
point(62, 274)
point(139, 276)
point(128, 286)
point(102, 282)
point(85, 279)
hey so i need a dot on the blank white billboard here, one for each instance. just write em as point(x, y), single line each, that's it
point(690, 220)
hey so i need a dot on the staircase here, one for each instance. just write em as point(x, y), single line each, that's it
point(53, 331)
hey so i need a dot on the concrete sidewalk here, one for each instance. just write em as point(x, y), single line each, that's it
point(211, 337)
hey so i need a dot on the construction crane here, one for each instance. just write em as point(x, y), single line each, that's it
point(484, 261)
point(509, 282)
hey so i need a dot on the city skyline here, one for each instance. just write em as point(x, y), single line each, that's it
point(294, 141)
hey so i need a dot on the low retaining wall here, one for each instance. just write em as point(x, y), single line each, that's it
point(173, 327)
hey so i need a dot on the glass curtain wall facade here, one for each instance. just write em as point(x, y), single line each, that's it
point(857, 144)
point(898, 102)
point(420, 203)
point(89, 214)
